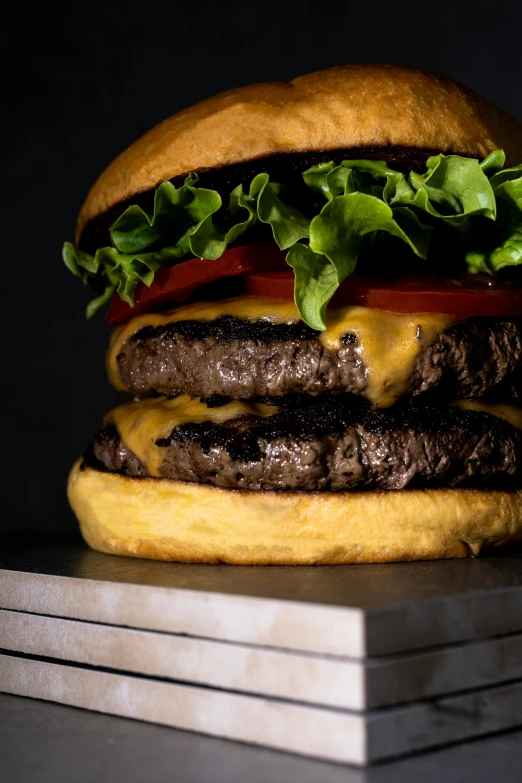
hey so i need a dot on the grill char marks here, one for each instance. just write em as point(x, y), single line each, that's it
point(336, 443)
point(228, 329)
point(242, 359)
point(285, 169)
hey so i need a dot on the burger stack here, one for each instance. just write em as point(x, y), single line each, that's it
point(285, 410)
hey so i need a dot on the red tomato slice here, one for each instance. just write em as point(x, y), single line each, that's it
point(464, 298)
point(266, 274)
point(176, 283)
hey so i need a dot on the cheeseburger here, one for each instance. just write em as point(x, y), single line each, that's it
point(316, 298)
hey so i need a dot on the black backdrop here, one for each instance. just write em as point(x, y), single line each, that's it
point(81, 82)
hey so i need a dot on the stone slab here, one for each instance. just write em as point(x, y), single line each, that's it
point(51, 743)
point(346, 683)
point(356, 611)
point(335, 735)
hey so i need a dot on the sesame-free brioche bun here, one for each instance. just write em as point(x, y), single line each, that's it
point(161, 519)
point(349, 107)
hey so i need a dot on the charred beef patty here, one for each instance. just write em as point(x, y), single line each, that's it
point(334, 443)
point(243, 359)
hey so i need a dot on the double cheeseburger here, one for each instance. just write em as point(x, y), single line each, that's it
point(316, 297)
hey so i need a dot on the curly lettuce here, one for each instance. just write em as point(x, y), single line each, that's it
point(359, 201)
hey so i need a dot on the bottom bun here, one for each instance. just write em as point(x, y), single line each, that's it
point(162, 519)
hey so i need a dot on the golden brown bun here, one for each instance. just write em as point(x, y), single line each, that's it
point(196, 523)
point(340, 108)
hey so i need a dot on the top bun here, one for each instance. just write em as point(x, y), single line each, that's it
point(341, 108)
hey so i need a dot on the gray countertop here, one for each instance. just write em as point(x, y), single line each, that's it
point(47, 743)
point(369, 587)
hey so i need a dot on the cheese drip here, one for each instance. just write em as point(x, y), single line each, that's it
point(510, 413)
point(141, 424)
point(388, 344)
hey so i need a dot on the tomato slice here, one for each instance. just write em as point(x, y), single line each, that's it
point(467, 297)
point(176, 283)
point(265, 273)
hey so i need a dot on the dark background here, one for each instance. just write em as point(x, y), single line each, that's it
point(80, 83)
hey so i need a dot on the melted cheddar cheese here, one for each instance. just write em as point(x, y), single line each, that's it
point(388, 344)
point(509, 413)
point(141, 424)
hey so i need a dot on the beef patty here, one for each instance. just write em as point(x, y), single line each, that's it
point(334, 443)
point(243, 359)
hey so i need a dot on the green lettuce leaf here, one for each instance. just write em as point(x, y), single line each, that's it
point(114, 272)
point(79, 263)
point(507, 187)
point(337, 236)
point(510, 191)
point(352, 176)
point(506, 175)
point(100, 301)
point(210, 238)
point(458, 186)
point(264, 203)
point(288, 224)
point(493, 163)
point(176, 212)
point(315, 284)
point(509, 253)
point(361, 201)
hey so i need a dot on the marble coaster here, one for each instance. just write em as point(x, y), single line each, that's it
point(333, 734)
point(346, 683)
point(354, 611)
